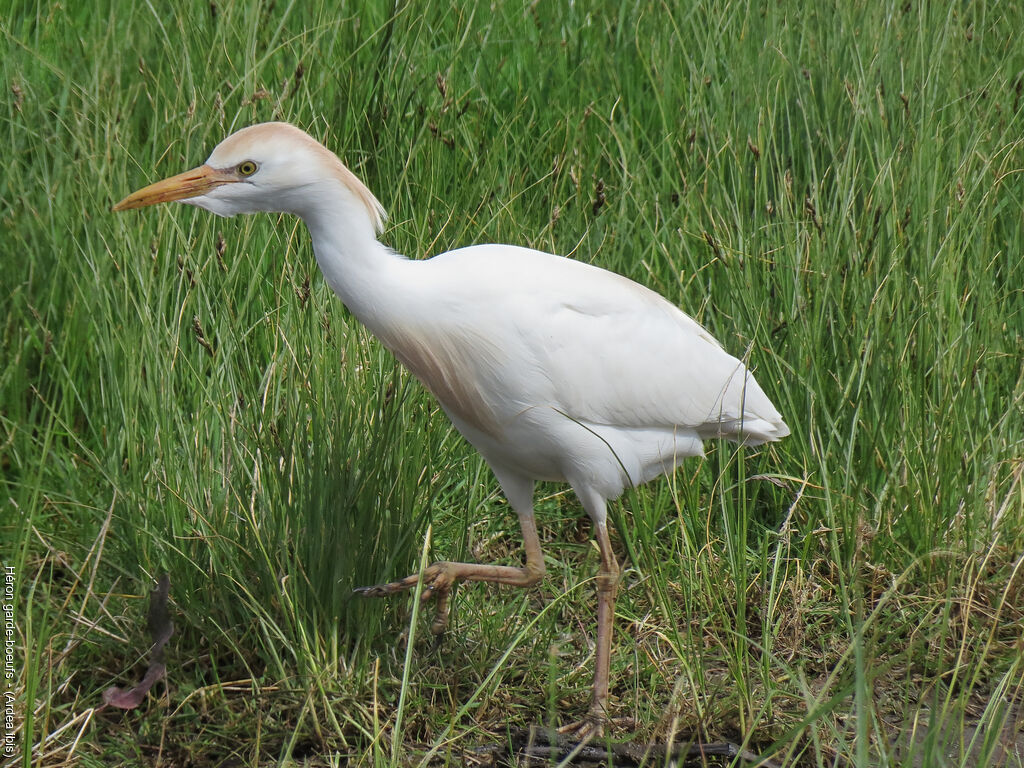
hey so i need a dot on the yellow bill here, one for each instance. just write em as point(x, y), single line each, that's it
point(192, 183)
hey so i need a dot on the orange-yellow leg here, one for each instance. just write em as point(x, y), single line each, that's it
point(440, 577)
point(597, 718)
point(607, 589)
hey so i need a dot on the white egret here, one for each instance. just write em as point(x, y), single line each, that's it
point(554, 369)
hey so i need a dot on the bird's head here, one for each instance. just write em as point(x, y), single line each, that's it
point(266, 167)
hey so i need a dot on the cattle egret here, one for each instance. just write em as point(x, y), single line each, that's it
point(554, 369)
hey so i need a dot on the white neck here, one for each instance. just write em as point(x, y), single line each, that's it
point(359, 269)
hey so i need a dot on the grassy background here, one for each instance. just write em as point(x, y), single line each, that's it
point(835, 190)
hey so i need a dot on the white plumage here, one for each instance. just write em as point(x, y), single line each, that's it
point(554, 369)
point(544, 363)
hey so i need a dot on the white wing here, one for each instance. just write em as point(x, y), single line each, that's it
point(600, 348)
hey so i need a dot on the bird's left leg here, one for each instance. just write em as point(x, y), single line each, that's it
point(439, 578)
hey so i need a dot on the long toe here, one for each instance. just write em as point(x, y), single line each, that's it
point(377, 590)
point(437, 579)
point(440, 623)
point(590, 727)
point(390, 588)
point(595, 725)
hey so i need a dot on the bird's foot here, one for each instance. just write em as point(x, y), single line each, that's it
point(438, 580)
point(590, 727)
point(594, 725)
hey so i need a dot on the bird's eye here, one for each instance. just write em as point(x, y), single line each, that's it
point(247, 168)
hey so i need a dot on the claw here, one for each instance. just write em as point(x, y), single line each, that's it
point(437, 583)
point(440, 623)
point(590, 727)
point(594, 724)
point(377, 590)
point(389, 588)
point(440, 578)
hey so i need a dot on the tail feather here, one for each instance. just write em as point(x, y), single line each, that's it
point(751, 431)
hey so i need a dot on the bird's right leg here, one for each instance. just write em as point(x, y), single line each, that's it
point(439, 578)
point(597, 718)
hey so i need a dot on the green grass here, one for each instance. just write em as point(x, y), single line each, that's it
point(836, 192)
